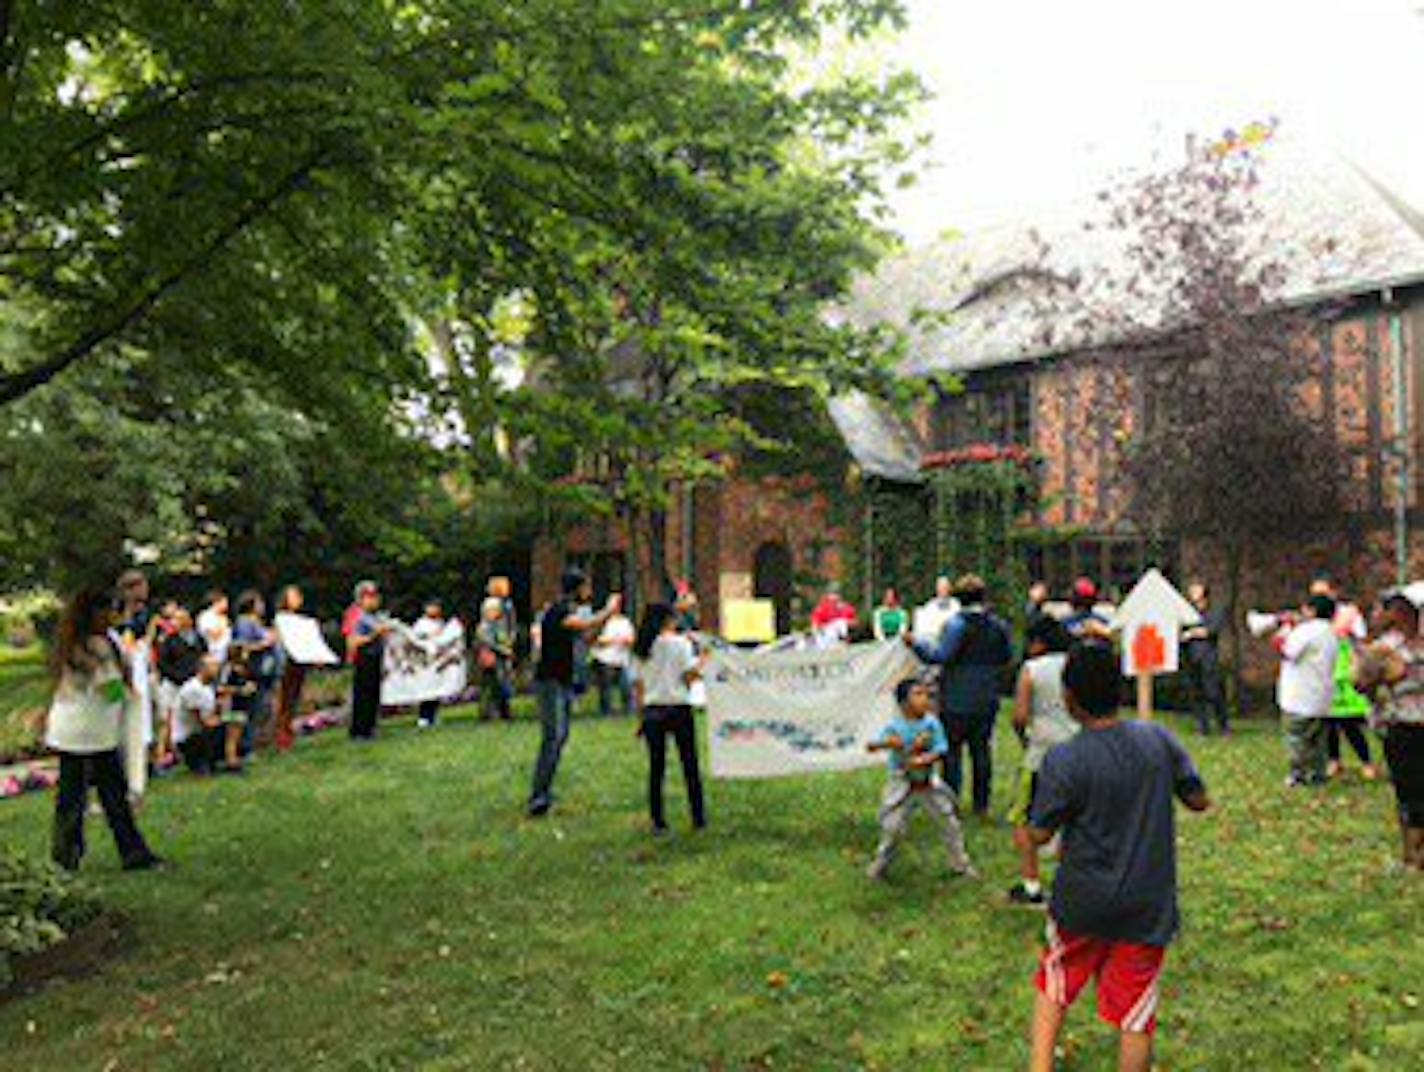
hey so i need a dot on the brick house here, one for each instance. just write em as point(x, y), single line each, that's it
point(1354, 250)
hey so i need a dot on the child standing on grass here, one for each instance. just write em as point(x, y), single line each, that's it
point(1110, 791)
point(1042, 722)
point(916, 742)
point(83, 727)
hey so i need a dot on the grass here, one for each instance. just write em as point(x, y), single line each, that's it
point(24, 691)
point(388, 907)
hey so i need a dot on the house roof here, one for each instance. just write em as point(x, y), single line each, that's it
point(881, 444)
point(1335, 230)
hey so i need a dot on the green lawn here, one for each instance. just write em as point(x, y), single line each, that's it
point(24, 690)
point(390, 908)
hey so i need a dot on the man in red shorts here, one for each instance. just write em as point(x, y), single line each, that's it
point(1110, 790)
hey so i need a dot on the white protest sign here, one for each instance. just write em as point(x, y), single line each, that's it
point(302, 640)
point(138, 715)
point(419, 668)
point(1151, 620)
point(797, 712)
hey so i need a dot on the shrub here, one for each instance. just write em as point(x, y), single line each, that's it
point(40, 906)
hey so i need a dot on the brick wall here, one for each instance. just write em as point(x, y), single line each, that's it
point(731, 521)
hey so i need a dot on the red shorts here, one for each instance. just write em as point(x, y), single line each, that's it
point(1127, 976)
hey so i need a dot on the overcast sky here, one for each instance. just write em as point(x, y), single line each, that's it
point(1041, 101)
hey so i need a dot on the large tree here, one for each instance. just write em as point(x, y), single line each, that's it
point(273, 193)
point(1231, 452)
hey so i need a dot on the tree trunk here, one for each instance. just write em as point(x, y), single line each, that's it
point(659, 585)
point(1234, 554)
point(633, 600)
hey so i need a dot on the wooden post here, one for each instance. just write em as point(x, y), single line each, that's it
point(1144, 696)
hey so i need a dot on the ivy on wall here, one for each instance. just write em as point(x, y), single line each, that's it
point(973, 514)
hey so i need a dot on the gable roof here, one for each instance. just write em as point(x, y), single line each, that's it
point(1335, 230)
point(880, 442)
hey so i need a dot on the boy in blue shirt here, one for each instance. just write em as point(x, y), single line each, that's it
point(916, 742)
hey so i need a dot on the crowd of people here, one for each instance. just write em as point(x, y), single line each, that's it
point(1101, 789)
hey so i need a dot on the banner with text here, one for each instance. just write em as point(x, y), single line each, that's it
point(419, 668)
point(797, 712)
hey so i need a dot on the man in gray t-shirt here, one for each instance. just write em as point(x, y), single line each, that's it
point(1111, 790)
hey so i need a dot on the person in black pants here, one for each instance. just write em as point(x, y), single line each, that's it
point(666, 664)
point(972, 651)
point(83, 727)
point(365, 649)
point(1201, 648)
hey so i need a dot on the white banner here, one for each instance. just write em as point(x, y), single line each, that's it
point(302, 640)
point(797, 712)
point(423, 668)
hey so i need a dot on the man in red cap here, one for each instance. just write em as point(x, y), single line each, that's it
point(1085, 623)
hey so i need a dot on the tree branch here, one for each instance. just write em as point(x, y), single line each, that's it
point(18, 384)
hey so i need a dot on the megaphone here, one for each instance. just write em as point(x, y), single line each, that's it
point(1259, 624)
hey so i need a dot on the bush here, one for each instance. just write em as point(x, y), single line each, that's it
point(40, 906)
point(27, 617)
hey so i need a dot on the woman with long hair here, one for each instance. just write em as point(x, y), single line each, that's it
point(84, 725)
point(666, 664)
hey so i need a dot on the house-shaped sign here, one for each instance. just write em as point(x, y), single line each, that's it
point(1151, 620)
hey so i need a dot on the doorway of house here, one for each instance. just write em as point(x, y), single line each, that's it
point(772, 579)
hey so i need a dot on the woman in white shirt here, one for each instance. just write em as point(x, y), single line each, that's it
point(84, 725)
point(665, 666)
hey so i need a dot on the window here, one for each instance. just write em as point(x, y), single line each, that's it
point(1114, 562)
point(996, 408)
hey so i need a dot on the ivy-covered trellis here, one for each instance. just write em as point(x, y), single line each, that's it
point(973, 513)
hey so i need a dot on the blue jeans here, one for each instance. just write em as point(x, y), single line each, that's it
point(977, 731)
point(613, 680)
point(555, 709)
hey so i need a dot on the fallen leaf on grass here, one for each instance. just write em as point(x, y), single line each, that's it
point(778, 980)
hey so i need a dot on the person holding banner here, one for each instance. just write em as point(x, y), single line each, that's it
point(365, 650)
point(561, 626)
point(665, 666)
point(428, 629)
point(915, 743)
point(972, 650)
point(294, 667)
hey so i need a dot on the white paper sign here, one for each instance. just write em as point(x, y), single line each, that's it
point(302, 640)
point(419, 668)
point(797, 712)
point(1151, 620)
point(138, 716)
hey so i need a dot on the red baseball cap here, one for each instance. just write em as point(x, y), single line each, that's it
point(1084, 588)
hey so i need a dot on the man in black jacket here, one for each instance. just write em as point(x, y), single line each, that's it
point(972, 651)
point(1203, 661)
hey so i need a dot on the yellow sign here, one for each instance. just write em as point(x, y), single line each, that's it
point(748, 621)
